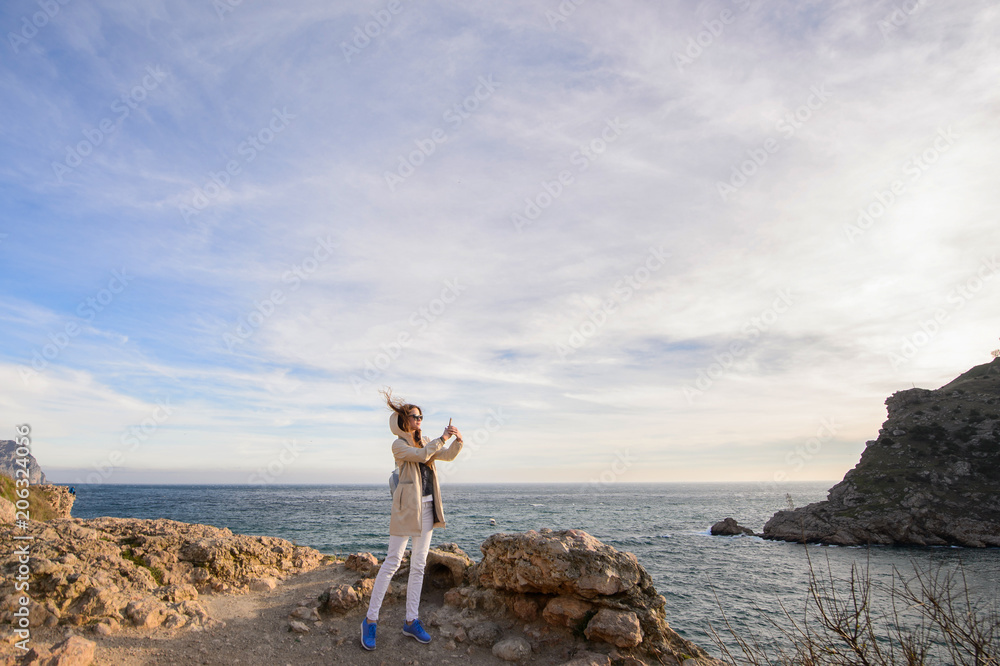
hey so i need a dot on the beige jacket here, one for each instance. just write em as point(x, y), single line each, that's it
point(405, 518)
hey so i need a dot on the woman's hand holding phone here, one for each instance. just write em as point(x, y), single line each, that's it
point(451, 430)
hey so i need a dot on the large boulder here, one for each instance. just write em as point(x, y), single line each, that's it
point(365, 564)
point(567, 562)
point(588, 586)
point(617, 627)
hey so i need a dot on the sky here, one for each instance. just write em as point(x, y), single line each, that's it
point(613, 242)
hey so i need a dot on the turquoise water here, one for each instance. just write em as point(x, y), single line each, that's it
point(665, 525)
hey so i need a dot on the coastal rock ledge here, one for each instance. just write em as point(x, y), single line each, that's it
point(143, 573)
point(929, 478)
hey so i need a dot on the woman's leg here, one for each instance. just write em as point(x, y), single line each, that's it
point(397, 546)
point(418, 558)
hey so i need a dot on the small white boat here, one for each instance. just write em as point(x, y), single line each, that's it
point(493, 521)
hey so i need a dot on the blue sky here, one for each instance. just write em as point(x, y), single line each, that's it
point(629, 242)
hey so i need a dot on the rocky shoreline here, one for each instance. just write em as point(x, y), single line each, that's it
point(536, 597)
point(929, 479)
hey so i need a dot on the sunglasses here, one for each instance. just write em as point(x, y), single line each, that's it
point(418, 417)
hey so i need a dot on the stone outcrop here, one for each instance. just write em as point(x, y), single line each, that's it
point(146, 573)
point(729, 527)
point(568, 585)
point(58, 498)
point(47, 501)
point(929, 478)
point(9, 466)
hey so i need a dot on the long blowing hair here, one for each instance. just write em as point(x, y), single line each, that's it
point(402, 410)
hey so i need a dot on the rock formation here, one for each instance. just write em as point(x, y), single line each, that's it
point(729, 527)
point(147, 573)
point(929, 478)
point(9, 466)
point(566, 585)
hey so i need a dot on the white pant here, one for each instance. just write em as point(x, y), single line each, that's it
point(418, 558)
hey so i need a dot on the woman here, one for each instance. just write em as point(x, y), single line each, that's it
point(416, 511)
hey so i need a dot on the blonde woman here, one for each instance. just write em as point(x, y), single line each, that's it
point(416, 511)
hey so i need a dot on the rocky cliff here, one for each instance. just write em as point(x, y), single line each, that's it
point(8, 464)
point(931, 477)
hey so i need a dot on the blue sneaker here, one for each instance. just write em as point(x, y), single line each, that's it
point(368, 634)
point(416, 630)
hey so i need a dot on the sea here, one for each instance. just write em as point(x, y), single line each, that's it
point(712, 585)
